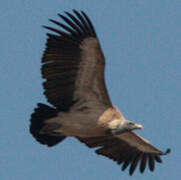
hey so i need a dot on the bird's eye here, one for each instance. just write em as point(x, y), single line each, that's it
point(131, 123)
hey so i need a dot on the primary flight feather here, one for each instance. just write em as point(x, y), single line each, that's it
point(73, 68)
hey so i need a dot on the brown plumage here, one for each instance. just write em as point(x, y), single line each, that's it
point(73, 69)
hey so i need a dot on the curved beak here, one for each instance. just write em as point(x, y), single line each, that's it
point(138, 126)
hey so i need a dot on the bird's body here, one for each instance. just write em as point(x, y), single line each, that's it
point(82, 127)
point(79, 123)
point(73, 67)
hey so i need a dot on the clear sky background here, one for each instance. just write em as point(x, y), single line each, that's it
point(141, 40)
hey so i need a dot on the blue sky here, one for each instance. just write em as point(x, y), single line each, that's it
point(142, 44)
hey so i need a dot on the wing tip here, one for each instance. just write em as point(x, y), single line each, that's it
point(168, 151)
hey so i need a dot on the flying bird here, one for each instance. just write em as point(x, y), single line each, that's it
point(73, 68)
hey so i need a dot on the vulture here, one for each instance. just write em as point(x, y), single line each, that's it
point(73, 68)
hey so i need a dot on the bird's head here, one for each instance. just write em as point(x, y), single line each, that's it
point(118, 127)
point(129, 125)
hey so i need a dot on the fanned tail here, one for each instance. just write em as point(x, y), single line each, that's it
point(40, 114)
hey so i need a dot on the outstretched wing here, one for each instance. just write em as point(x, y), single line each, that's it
point(73, 64)
point(126, 149)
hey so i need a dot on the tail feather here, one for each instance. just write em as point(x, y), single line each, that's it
point(42, 113)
